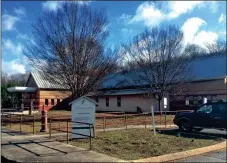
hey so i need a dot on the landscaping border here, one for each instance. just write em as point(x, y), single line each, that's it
point(183, 154)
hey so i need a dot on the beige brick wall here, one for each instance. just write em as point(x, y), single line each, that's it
point(128, 103)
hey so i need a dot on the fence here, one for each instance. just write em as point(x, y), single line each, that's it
point(91, 128)
point(32, 123)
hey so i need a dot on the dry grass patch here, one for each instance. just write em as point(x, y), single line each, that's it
point(140, 143)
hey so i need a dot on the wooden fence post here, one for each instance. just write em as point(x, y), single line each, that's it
point(145, 121)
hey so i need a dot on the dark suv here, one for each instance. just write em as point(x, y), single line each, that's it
point(210, 115)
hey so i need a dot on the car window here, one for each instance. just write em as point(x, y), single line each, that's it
point(205, 109)
point(219, 108)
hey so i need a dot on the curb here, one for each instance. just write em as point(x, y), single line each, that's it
point(184, 154)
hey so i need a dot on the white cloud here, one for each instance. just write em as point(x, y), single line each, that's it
point(125, 18)
point(13, 67)
point(8, 22)
point(22, 36)
point(213, 6)
point(194, 35)
point(152, 14)
point(52, 5)
point(9, 48)
point(191, 27)
point(19, 11)
point(55, 5)
point(222, 18)
point(148, 13)
point(180, 7)
point(222, 33)
point(204, 37)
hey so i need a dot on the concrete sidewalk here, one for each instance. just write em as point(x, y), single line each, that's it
point(20, 147)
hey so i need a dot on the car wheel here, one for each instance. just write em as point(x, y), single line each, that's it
point(185, 126)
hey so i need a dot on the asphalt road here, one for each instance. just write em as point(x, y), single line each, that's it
point(217, 156)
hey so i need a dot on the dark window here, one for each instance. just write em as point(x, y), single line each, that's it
point(46, 102)
point(58, 101)
point(107, 101)
point(97, 99)
point(52, 101)
point(219, 109)
point(118, 101)
point(205, 109)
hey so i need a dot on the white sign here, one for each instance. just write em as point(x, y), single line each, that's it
point(204, 100)
point(83, 110)
point(165, 102)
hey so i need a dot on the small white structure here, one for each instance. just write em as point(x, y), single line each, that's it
point(83, 110)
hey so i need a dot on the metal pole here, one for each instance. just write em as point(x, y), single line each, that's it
point(105, 124)
point(153, 121)
point(33, 124)
point(103, 120)
point(50, 129)
point(126, 122)
point(20, 122)
point(165, 119)
point(67, 131)
point(10, 120)
point(90, 136)
point(59, 124)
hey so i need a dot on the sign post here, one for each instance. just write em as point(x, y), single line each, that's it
point(153, 121)
point(83, 114)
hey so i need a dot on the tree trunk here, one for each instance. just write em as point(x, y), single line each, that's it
point(159, 105)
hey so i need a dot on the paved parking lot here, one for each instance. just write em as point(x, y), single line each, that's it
point(217, 156)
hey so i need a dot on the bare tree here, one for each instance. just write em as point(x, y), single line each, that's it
point(69, 48)
point(159, 60)
point(218, 47)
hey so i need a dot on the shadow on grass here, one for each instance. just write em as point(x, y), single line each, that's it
point(195, 135)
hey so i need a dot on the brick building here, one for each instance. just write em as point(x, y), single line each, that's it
point(117, 93)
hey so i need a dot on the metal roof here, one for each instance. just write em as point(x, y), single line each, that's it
point(42, 81)
point(204, 68)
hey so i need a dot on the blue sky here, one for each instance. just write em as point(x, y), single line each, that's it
point(202, 22)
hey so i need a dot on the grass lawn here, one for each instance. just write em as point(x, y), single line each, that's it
point(134, 144)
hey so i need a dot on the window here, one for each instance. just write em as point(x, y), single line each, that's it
point(97, 99)
point(52, 101)
point(118, 101)
point(58, 101)
point(46, 102)
point(205, 109)
point(107, 101)
point(186, 101)
point(219, 109)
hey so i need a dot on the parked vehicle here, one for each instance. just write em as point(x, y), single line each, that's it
point(209, 115)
